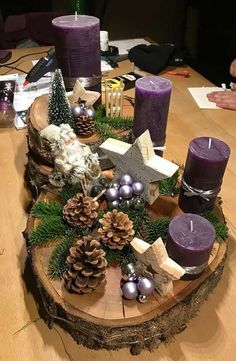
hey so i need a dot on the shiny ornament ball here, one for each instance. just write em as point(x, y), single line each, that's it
point(130, 290)
point(128, 271)
point(104, 182)
point(114, 204)
point(138, 188)
point(95, 190)
point(112, 194)
point(142, 298)
point(146, 285)
point(115, 185)
point(126, 179)
point(128, 203)
point(77, 111)
point(126, 192)
point(138, 202)
point(90, 112)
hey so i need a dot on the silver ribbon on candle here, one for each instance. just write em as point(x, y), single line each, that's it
point(194, 270)
point(191, 191)
point(87, 82)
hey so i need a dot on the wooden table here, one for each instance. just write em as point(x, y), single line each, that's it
point(210, 336)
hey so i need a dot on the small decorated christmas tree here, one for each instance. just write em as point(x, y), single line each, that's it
point(59, 111)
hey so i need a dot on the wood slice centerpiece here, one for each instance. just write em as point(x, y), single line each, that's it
point(103, 318)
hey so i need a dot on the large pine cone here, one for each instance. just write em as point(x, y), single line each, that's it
point(86, 266)
point(80, 211)
point(116, 230)
point(84, 125)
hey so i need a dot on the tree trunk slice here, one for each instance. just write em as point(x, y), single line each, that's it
point(103, 319)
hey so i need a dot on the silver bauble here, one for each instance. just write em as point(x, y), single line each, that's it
point(138, 202)
point(112, 194)
point(114, 204)
point(129, 270)
point(125, 191)
point(77, 110)
point(142, 298)
point(130, 290)
point(126, 179)
point(90, 112)
point(115, 185)
point(146, 285)
point(138, 188)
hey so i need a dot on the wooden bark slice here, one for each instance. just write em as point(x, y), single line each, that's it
point(103, 319)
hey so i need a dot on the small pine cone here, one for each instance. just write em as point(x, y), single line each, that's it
point(84, 125)
point(81, 211)
point(116, 230)
point(86, 266)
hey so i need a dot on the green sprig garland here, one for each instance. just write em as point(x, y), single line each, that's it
point(105, 126)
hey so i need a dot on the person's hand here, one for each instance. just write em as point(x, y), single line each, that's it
point(233, 68)
point(223, 99)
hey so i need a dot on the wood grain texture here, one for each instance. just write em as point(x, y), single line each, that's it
point(209, 336)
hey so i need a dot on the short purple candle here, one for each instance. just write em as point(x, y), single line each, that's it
point(189, 242)
point(77, 44)
point(152, 99)
point(204, 169)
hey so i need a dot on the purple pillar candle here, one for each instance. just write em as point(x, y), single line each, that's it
point(152, 99)
point(77, 44)
point(189, 243)
point(203, 174)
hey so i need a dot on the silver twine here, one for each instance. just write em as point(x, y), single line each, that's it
point(87, 82)
point(191, 191)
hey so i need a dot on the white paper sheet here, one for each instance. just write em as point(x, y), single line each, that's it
point(200, 96)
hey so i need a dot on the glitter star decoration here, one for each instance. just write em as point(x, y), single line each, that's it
point(140, 161)
point(87, 96)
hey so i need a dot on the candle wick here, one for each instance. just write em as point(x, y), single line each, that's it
point(191, 226)
point(76, 16)
point(209, 143)
point(151, 82)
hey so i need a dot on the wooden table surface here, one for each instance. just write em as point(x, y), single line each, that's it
point(211, 335)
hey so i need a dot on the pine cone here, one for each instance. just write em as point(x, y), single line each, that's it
point(84, 125)
point(116, 230)
point(80, 211)
point(86, 266)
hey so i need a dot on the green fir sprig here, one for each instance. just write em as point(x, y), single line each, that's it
point(220, 228)
point(68, 192)
point(105, 126)
point(169, 186)
point(46, 209)
point(123, 257)
point(157, 228)
point(50, 228)
point(57, 263)
point(139, 217)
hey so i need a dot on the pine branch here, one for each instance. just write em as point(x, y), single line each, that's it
point(124, 123)
point(68, 192)
point(220, 228)
point(104, 130)
point(157, 228)
point(50, 228)
point(123, 257)
point(57, 263)
point(169, 186)
point(45, 209)
point(139, 217)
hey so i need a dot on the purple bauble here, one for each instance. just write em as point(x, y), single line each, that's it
point(5, 105)
point(90, 112)
point(138, 188)
point(126, 192)
point(130, 290)
point(126, 179)
point(112, 194)
point(115, 185)
point(146, 285)
point(114, 204)
point(77, 110)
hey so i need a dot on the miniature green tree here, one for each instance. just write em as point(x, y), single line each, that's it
point(59, 111)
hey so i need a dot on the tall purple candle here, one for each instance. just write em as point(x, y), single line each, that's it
point(203, 174)
point(189, 242)
point(152, 99)
point(77, 44)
